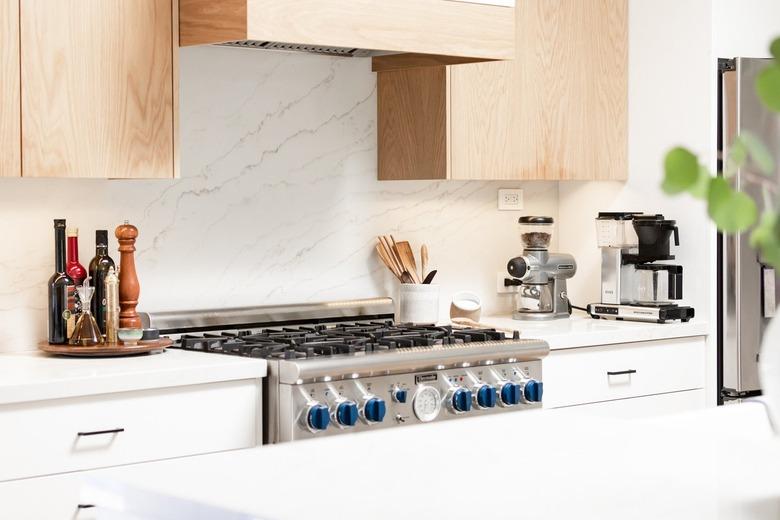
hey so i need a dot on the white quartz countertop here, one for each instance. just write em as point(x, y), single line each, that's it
point(36, 376)
point(583, 331)
point(717, 463)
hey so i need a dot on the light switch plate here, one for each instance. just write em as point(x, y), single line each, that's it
point(510, 199)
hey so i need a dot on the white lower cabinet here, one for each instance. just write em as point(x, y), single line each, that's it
point(46, 498)
point(64, 435)
point(639, 379)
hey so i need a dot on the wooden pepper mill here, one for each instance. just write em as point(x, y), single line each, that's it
point(129, 288)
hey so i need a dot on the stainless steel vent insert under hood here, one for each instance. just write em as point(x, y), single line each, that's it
point(296, 47)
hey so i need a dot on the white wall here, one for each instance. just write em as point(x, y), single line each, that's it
point(670, 77)
point(278, 201)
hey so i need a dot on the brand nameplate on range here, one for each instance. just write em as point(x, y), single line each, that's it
point(425, 378)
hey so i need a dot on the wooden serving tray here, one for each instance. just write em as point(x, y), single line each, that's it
point(108, 349)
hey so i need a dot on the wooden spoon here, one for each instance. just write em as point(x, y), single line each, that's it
point(406, 254)
point(424, 261)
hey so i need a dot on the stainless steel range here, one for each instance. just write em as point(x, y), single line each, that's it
point(341, 367)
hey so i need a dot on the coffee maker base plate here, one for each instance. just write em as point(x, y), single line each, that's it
point(647, 313)
point(538, 316)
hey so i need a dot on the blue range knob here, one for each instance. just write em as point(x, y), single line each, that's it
point(347, 413)
point(510, 394)
point(318, 417)
point(461, 400)
point(533, 391)
point(375, 409)
point(399, 394)
point(486, 396)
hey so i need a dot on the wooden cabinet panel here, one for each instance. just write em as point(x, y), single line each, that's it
point(412, 124)
point(558, 111)
point(98, 88)
point(468, 29)
point(10, 118)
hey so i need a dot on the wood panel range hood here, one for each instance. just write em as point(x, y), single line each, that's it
point(460, 30)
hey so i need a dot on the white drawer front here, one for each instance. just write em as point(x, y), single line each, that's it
point(44, 438)
point(47, 498)
point(594, 374)
point(643, 407)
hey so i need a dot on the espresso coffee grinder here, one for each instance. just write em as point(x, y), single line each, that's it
point(540, 275)
point(637, 283)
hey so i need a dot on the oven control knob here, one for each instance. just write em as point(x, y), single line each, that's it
point(510, 394)
point(399, 395)
point(347, 413)
point(318, 417)
point(374, 410)
point(486, 396)
point(461, 400)
point(532, 391)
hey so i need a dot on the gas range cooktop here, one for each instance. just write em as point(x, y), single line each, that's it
point(341, 367)
point(304, 342)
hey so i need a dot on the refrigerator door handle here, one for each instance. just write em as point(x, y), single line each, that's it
point(768, 304)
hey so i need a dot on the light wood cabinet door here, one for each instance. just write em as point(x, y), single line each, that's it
point(558, 111)
point(98, 88)
point(10, 118)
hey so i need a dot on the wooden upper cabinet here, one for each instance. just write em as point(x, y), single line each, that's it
point(483, 30)
point(556, 112)
point(98, 88)
point(10, 118)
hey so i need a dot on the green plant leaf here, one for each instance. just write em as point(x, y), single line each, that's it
point(768, 87)
point(702, 186)
point(732, 211)
point(681, 169)
point(759, 153)
point(774, 48)
point(766, 239)
point(738, 154)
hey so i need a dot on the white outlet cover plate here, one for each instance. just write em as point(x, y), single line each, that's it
point(510, 199)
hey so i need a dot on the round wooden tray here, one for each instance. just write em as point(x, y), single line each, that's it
point(108, 349)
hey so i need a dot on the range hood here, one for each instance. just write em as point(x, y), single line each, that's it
point(469, 29)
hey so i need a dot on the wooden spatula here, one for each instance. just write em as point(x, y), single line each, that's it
point(423, 261)
point(406, 255)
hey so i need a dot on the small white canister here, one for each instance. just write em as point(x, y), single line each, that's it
point(418, 303)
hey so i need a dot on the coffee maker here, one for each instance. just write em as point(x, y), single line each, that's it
point(540, 275)
point(634, 285)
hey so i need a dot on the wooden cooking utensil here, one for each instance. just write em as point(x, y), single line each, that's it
point(383, 255)
point(469, 323)
point(406, 277)
point(390, 253)
point(406, 254)
point(129, 288)
point(424, 261)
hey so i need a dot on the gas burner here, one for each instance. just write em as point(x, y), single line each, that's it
point(329, 340)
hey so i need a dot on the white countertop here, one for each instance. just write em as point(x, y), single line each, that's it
point(36, 376)
point(582, 331)
point(716, 463)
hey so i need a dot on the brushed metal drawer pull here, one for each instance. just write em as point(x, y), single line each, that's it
point(100, 432)
point(621, 372)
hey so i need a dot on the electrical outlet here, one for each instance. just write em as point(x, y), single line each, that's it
point(500, 287)
point(510, 199)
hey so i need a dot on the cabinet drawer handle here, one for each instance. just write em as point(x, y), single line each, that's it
point(100, 432)
point(621, 372)
point(85, 506)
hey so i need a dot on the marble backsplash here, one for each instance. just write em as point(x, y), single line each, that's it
point(277, 202)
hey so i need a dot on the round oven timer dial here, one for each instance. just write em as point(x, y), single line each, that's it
point(426, 403)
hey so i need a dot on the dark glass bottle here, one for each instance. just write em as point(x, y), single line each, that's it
point(98, 269)
point(62, 291)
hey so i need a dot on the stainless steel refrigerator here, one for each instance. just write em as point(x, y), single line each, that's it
point(747, 288)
